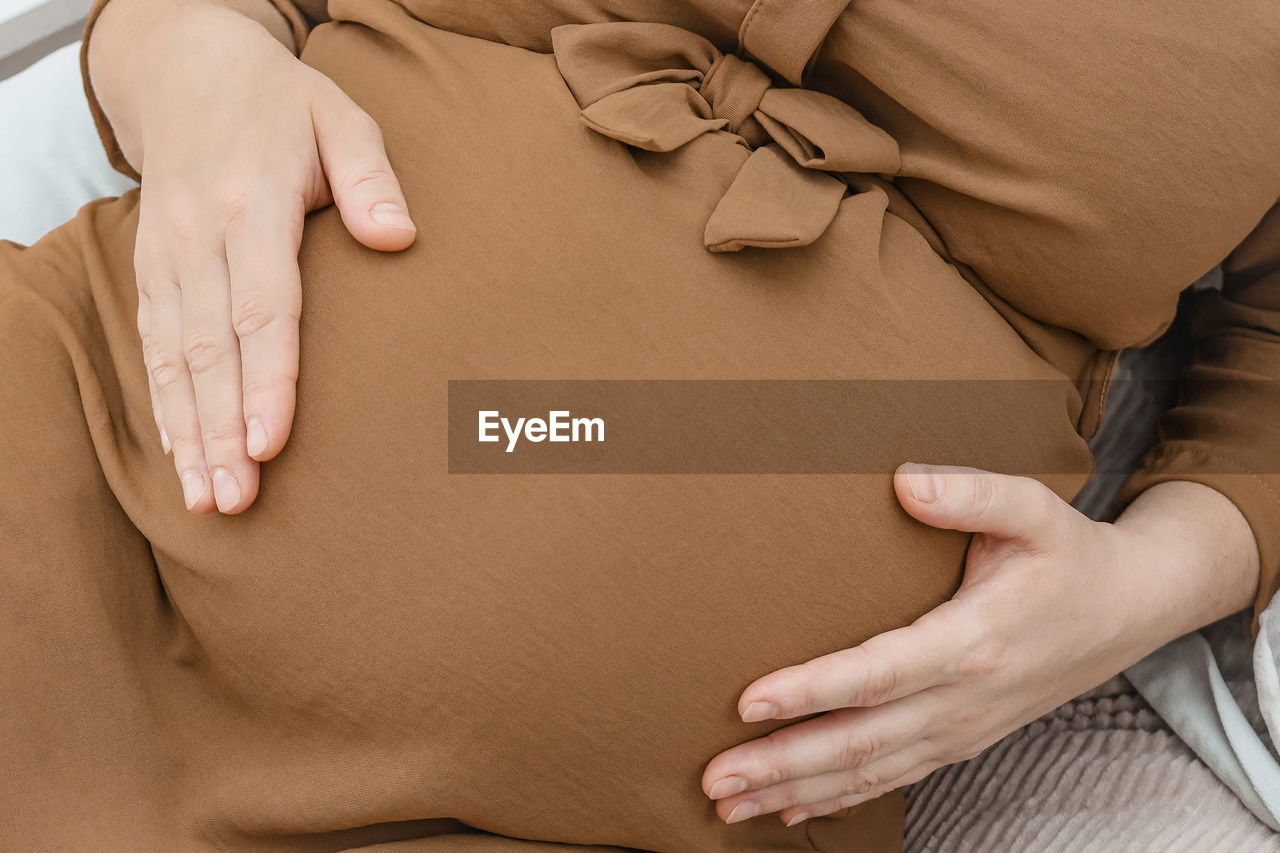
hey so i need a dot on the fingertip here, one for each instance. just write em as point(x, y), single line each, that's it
point(760, 700)
point(925, 483)
point(227, 491)
point(196, 493)
point(235, 491)
point(207, 506)
point(758, 710)
point(900, 487)
point(390, 214)
point(258, 440)
point(781, 694)
point(266, 436)
point(384, 239)
point(390, 228)
point(920, 489)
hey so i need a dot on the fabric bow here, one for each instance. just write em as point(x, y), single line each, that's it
point(658, 87)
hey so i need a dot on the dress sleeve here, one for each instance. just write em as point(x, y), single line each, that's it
point(1225, 430)
point(301, 16)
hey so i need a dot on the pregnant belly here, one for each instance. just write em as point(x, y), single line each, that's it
point(557, 656)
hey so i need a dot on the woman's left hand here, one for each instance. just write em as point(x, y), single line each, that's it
point(1051, 605)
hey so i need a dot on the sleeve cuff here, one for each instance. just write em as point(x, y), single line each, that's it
point(298, 23)
point(105, 133)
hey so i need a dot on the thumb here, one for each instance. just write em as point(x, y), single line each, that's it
point(364, 187)
point(954, 498)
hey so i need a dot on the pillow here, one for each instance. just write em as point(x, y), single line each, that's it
point(51, 161)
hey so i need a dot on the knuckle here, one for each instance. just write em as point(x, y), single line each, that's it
point(184, 224)
point(220, 433)
point(368, 173)
point(770, 773)
point(233, 202)
point(285, 376)
point(186, 444)
point(146, 254)
point(969, 723)
point(204, 352)
point(801, 692)
point(768, 769)
point(856, 751)
point(858, 782)
point(186, 449)
point(167, 368)
point(252, 313)
point(984, 495)
point(879, 687)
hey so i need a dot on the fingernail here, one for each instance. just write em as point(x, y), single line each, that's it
point(742, 811)
point(226, 489)
point(727, 787)
point(164, 441)
point(758, 711)
point(925, 485)
point(257, 437)
point(390, 215)
point(800, 818)
point(192, 488)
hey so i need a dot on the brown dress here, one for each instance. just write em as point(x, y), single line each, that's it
point(383, 651)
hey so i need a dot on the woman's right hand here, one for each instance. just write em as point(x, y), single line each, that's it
point(236, 140)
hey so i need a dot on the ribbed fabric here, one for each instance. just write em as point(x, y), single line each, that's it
point(1102, 773)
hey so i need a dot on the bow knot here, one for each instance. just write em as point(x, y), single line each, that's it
point(658, 87)
point(734, 88)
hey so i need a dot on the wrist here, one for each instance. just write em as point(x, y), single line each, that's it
point(1190, 558)
point(136, 44)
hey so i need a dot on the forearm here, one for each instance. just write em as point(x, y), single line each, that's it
point(120, 55)
point(1191, 559)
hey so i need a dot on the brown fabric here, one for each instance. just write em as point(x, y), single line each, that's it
point(783, 196)
point(1225, 432)
point(379, 650)
point(378, 643)
point(301, 18)
point(785, 34)
point(1080, 165)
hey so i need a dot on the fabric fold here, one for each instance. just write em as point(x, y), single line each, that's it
point(658, 87)
point(1183, 683)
